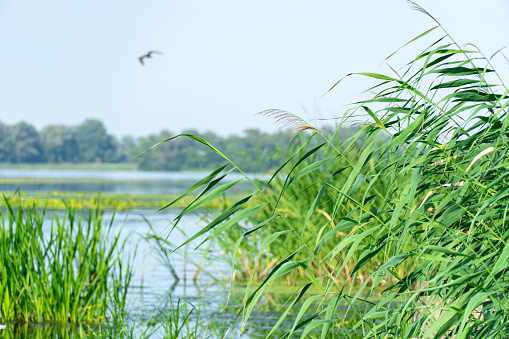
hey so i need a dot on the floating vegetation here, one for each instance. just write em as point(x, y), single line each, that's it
point(105, 201)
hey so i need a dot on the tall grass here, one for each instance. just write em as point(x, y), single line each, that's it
point(180, 320)
point(69, 271)
point(39, 331)
point(174, 319)
point(294, 206)
point(421, 211)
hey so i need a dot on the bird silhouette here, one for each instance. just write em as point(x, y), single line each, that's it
point(148, 55)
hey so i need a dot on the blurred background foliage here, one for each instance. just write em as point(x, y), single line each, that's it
point(90, 142)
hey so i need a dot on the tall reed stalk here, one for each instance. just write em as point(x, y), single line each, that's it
point(421, 210)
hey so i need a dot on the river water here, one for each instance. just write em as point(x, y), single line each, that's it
point(153, 285)
point(128, 182)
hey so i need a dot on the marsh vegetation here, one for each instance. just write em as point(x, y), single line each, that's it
point(397, 230)
point(71, 273)
point(415, 213)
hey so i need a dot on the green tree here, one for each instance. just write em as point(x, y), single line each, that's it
point(25, 143)
point(59, 143)
point(127, 149)
point(5, 143)
point(164, 157)
point(94, 144)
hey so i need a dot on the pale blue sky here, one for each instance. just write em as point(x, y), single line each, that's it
point(224, 60)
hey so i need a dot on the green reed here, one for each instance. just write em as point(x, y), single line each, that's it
point(62, 268)
point(39, 331)
point(180, 320)
point(172, 320)
point(417, 203)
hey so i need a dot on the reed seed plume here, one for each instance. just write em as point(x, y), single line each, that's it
point(419, 8)
point(287, 120)
point(333, 222)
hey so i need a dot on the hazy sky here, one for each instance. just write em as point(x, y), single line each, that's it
point(224, 60)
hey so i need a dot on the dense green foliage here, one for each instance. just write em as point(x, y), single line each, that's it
point(90, 142)
point(294, 205)
point(419, 210)
point(20, 143)
point(60, 268)
point(254, 149)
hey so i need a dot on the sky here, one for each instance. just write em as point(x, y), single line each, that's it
point(223, 61)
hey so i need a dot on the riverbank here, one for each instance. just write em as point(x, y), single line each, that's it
point(86, 166)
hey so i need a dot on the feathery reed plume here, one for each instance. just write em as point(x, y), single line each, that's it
point(285, 119)
point(441, 252)
point(418, 8)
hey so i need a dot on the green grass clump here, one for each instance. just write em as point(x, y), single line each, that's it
point(179, 320)
point(420, 211)
point(68, 272)
point(293, 206)
point(39, 331)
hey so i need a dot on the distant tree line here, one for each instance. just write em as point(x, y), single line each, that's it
point(90, 142)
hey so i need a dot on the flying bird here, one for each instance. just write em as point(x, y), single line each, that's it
point(148, 55)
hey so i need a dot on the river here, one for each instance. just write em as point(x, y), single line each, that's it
point(122, 182)
point(152, 283)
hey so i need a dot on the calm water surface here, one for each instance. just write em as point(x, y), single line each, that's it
point(128, 182)
point(152, 283)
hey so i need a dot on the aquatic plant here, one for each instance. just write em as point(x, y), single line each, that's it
point(180, 320)
point(427, 218)
point(62, 268)
point(174, 319)
point(59, 200)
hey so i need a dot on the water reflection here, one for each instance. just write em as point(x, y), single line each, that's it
point(155, 290)
point(128, 182)
point(38, 331)
point(112, 175)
